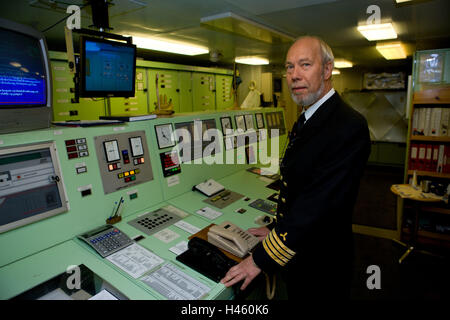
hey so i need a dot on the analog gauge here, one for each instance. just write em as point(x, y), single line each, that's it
point(136, 147)
point(249, 121)
point(226, 125)
point(164, 136)
point(240, 123)
point(259, 120)
point(111, 150)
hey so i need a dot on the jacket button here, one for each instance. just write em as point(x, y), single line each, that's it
point(284, 184)
point(283, 200)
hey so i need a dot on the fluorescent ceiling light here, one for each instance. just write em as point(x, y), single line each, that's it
point(392, 51)
point(252, 60)
point(379, 31)
point(232, 23)
point(168, 46)
point(335, 72)
point(341, 63)
point(400, 1)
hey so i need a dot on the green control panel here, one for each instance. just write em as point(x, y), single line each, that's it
point(121, 170)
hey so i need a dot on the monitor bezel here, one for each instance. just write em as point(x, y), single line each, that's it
point(30, 32)
point(103, 93)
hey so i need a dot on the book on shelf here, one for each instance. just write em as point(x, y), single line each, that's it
point(430, 157)
point(445, 122)
point(129, 117)
point(413, 156)
point(421, 157)
point(421, 122)
point(435, 158)
point(435, 123)
point(415, 122)
point(431, 121)
point(440, 164)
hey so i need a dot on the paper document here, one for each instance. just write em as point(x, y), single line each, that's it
point(135, 260)
point(209, 213)
point(172, 283)
point(183, 225)
point(179, 248)
point(166, 235)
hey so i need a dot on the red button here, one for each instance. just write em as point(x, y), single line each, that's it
point(127, 179)
point(72, 155)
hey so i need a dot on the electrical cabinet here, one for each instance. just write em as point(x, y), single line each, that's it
point(204, 91)
point(185, 91)
point(224, 92)
point(165, 84)
point(133, 105)
point(63, 108)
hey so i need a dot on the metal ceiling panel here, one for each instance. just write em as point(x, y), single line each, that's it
point(258, 7)
point(235, 24)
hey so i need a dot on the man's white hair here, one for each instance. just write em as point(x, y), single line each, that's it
point(325, 50)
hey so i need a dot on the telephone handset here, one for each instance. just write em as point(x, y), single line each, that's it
point(231, 238)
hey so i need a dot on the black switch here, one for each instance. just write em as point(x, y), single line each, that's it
point(86, 192)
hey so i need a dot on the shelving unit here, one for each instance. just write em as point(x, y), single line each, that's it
point(430, 93)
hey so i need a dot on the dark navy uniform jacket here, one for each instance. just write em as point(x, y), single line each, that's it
point(320, 175)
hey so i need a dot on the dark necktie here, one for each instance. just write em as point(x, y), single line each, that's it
point(301, 121)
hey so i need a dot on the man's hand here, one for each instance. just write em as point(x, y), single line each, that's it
point(246, 270)
point(261, 232)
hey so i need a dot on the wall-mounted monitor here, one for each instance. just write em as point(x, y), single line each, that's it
point(25, 79)
point(108, 68)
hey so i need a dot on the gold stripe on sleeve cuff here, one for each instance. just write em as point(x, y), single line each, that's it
point(281, 263)
point(281, 244)
point(276, 252)
point(278, 248)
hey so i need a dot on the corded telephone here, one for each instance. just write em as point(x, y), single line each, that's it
point(207, 259)
point(231, 238)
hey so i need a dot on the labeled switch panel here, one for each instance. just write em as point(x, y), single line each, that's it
point(123, 159)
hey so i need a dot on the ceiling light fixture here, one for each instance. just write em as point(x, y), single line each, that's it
point(380, 31)
point(335, 72)
point(256, 61)
point(401, 1)
point(341, 63)
point(392, 51)
point(168, 46)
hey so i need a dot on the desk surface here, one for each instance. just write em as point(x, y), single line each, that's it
point(15, 278)
point(406, 191)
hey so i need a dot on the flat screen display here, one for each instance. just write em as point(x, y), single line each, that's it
point(108, 68)
point(23, 77)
